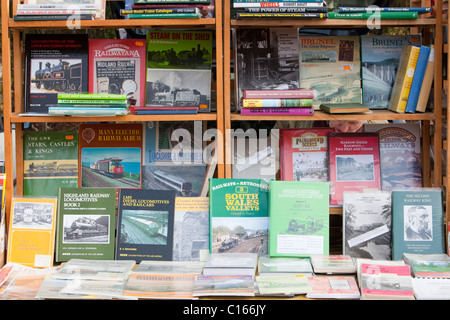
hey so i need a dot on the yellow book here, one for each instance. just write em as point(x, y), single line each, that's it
point(404, 78)
point(31, 232)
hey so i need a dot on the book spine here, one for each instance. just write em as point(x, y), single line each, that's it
point(94, 101)
point(53, 12)
point(278, 94)
point(306, 111)
point(276, 103)
point(63, 96)
point(78, 6)
point(75, 105)
point(416, 84)
point(385, 9)
point(404, 77)
point(425, 90)
point(286, 9)
point(164, 6)
point(124, 12)
point(310, 1)
point(276, 4)
point(290, 15)
point(367, 15)
point(84, 111)
point(139, 112)
point(164, 15)
point(170, 1)
point(52, 17)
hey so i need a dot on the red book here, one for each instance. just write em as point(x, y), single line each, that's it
point(278, 94)
point(353, 163)
point(298, 111)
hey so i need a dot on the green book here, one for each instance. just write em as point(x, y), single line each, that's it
point(351, 107)
point(50, 161)
point(239, 219)
point(91, 96)
point(375, 15)
point(86, 224)
point(299, 218)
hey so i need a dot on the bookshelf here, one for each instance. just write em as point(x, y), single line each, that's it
point(13, 87)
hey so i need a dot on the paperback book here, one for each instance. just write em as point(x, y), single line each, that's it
point(333, 287)
point(417, 82)
point(231, 263)
point(283, 266)
point(333, 264)
point(99, 270)
point(224, 286)
point(288, 285)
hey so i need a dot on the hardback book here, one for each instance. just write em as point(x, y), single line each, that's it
point(239, 219)
point(331, 66)
point(431, 289)
point(282, 4)
point(217, 285)
point(333, 287)
point(299, 218)
point(191, 229)
point(117, 66)
point(110, 155)
point(303, 111)
point(98, 5)
point(300, 93)
point(282, 266)
point(179, 68)
point(385, 9)
point(31, 232)
point(56, 63)
point(231, 263)
point(281, 15)
point(428, 77)
point(333, 264)
point(378, 14)
point(304, 154)
point(353, 163)
point(86, 224)
point(276, 103)
point(416, 85)
point(89, 111)
point(145, 221)
point(344, 107)
point(173, 157)
point(266, 59)
point(400, 154)
point(380, 55)
point(403, 79)
point(287, 285)
point(99, 270)
point(417, 227)
point(50, 161)
point(367, 222)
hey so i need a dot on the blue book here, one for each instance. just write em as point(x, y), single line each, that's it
point(417, 79)
point(385, 9)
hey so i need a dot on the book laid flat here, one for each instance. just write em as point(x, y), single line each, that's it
point(344, 107)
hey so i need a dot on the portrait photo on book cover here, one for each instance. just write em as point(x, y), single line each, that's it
point(418, 223)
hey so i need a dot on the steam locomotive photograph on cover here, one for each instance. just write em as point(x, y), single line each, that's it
point(86, 229)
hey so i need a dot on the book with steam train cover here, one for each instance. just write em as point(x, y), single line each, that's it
point(110, 155)
point(54, 63)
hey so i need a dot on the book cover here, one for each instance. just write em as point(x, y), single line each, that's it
point(231, 285)
point(86, 224)
point(145, 222)
point(343, 107)
point(179, 68)
point(333, 287)
point(304, 154)
point(353, 163)
point(403, 78)
point(287, 285)
point(299, 218)
point(110, 155)
point(56, 63)
point(239, 219)
point(367, 222)
point(331, 66)
point(369, 15)
point(428, 77)
point(400, 154)
point(31, 233)
point(416, 85)
point(333, 264)
point(173, 157)
point(266, 59)
point(191, 229)
point(117, 66)
point(50, 161)
point(417, 222)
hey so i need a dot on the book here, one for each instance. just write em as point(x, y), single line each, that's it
point(333, 287)
point(281, 266)
point(31, 232)
point(47, 59)
point(304, 154)
point(367, 222)
point(353, 163)
point(400, 154)
point(285, 9)
point(171, 1)
point(331, 66)
point(173, 157)
point(303, 1)
point(224, 286)
point(117, 66)
point(333, 264)
point(417, 222)
point(124, 12)
point(163, 110)
point(386, 9)
point(277, 4)
point(169, 267)
point(377, 15)
point(429, 269)
point(380, 55)
point(91, 96)
point(403, 78)
point(281, 15)
point(163, 15)
point(86, 224)
point(55, 6)
point(47, 17)
point(239, 219)
point(425, 90)
point(278, 94)
point(287, 285)
point(299, 218)
point(54, 12)
point(145, 222)
point(99, 270)
point(50, 161)
point(87, 111)
point(343, 107)
point(276, 103)
point(303, 111)
point(255, 70)
point(416, 84)
point(110, 155)
point(191, 229)
point(99, 5)
point(231, 263)
point(431, 289)
point(179, 67)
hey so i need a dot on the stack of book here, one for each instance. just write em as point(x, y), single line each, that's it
point(277, 102)
point(154, 9)
point(280, 9)
point(374, 12)
point(90, 104)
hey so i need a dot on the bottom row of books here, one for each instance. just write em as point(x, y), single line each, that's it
point(416, 276)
